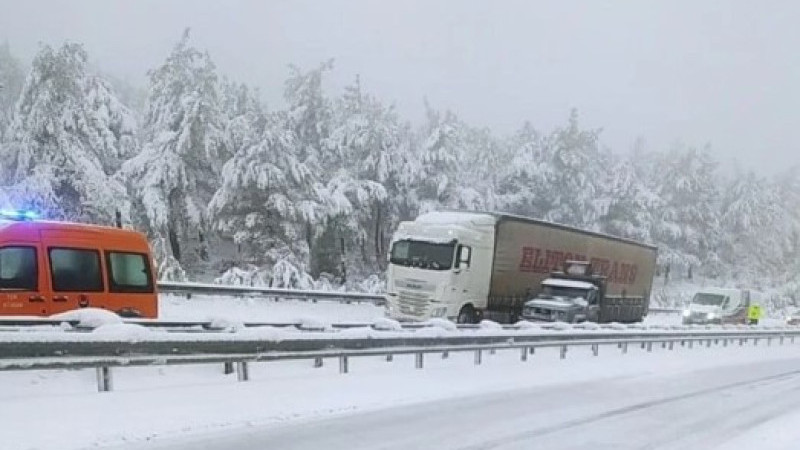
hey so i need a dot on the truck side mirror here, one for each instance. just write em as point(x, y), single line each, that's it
point(464, 256)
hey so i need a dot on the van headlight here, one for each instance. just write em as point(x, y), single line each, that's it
point(712, 316)
point(686, 313)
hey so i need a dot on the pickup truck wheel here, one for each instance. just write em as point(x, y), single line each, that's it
point(466, 315)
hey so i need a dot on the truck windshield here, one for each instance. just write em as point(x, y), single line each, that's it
point(708, 299)
point(425, 255)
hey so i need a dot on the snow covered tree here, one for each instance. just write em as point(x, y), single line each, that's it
point(68, 137)
point(266, 201)
point(177, 172)
point(755, 226)
point(12, 78)
point(630, 202)
point(686, 225)
point(446, 176)
point(309, 111)
point(578, 170)
point(365, 153)
point(525, 179)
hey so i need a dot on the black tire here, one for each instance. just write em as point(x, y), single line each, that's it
point(467, 315)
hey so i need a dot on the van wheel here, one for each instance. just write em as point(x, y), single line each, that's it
point(466, 315)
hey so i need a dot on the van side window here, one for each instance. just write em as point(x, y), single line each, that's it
point(128, 272)
point(18, 269)
point(75, 270)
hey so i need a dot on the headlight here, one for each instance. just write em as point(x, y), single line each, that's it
point(686, 313)
point(711, 316)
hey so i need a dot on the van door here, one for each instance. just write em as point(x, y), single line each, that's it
point(75, 269)
point(131, 283)
point(21, 280)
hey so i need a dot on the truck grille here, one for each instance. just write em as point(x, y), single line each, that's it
point(413, 304)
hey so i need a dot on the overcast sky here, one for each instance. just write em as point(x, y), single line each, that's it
point(718, 72)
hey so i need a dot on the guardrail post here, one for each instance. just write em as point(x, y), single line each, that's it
point(624, 347)
point(533, 350)
point(725, 342)
point(644, 345)
point(741, 342)
point(389, 357)
point(445, 354)
point(317, 362)
point(418, 360)
point(227, 368)
point(343, 364)
point(242, 371)
point(104, 383)
point(664, 344)
point(691, 343)
point(563, 352)
point(671, 345)
point(716, 341)
point(769, 341)
point(649, 346)
point(478, 357)
point(792, 339)
point(595, 349)
point(492, 351)
point(708, 344)
point(781, 340)
point(523, 354)
point(755, 342)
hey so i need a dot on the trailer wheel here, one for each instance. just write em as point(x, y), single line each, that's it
point(466, 315)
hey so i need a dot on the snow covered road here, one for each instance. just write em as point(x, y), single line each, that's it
point(681, 399)
point(710, 408)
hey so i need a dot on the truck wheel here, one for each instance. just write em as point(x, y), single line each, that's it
point(466, 315)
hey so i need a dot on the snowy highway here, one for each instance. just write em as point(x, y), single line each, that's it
point(732, 397)
point(724, 407)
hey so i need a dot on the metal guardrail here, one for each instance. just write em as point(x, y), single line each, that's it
point(658, 310)
point(189, 289)
point(75, 351)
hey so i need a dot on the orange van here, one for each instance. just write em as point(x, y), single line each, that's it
point(51, 267)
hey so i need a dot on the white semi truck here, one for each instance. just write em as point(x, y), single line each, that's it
point(469, 265)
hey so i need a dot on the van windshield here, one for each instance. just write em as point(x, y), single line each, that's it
point(708, 299)
point(424, 255)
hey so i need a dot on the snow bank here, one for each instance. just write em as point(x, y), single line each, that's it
point(313, 323)
point(490, 325)
point(226, 323)
point(123, 331)
point(441, 323)
point(89, 317)
point(386, 324)
point(525, 325)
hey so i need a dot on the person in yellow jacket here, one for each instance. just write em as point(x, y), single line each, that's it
point(754, 314)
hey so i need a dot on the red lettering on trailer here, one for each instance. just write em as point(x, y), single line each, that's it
point(539, 260)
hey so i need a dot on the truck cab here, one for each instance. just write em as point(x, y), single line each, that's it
point(439, 266)
point(50, 267)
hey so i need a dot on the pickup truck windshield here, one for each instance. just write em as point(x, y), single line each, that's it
point(559, 291)
point(425, 255)
point(708, 299)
